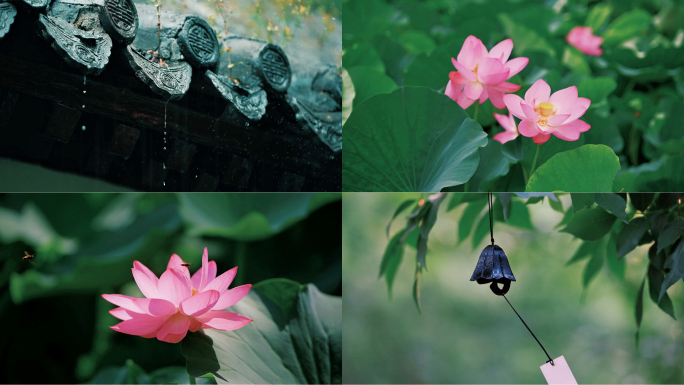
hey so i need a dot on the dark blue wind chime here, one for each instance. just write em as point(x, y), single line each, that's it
point(493, 268)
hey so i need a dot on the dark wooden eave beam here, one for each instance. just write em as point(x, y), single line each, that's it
point(301, 153)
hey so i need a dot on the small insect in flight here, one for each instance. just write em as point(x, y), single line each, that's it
point(28, 257)
point(186, 264)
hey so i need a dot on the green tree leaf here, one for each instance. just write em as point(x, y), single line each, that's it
point(391, 260)
point(290, 341)
point(675, 262)
point(613, 203)
point(458, 199)
point(518, 214)
point(505, 199)
point(592, 268)
point(588, 168)
point(414, 139)
point(415, 218)
point(641, 201)
point(403, 206)
point(629, 236)
point(581, 201)
point(656, 258)
point(615, 264)
point(639, 308)
point(658, 223)
point(467, 221)
point(585, 250)
point(481, 231)
point(426, 226)
point(416, 288)
point(557, 206)
point(566, 218)
point(670, 234)
point(590, 224)
point(666, 200)
point(655, 282)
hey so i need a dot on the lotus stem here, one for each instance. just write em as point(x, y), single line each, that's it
point(477, 109)
point(192, 380)
point(534, 162)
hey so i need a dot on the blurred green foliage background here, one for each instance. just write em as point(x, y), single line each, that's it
point(466, 334)
point(57, 325)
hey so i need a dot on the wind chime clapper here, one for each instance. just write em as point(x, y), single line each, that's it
point(493, 268)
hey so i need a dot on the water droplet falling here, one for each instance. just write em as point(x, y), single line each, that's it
point(83, 128)
point(164, 183)
point(84, 80)
point(83, 106)
point(84, 91)
point(165, 105)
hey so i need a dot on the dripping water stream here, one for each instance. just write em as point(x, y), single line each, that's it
point(164, 162)
point(83, 127)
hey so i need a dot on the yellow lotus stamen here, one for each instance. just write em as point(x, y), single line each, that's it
point(546, 108)
point(474, 70)
point(194, 291)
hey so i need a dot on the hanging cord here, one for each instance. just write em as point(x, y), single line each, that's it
point(491, 232)
point(528, 328)
point(491, 217)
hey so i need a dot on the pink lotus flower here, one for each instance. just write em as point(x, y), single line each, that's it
point(508, 124)
point(543, 115)
point(177, 303)
point(584, 40)
point(482, 75)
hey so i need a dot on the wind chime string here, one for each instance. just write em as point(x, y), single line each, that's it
point(528, 328)
point(491, 218)
point(491, 231)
